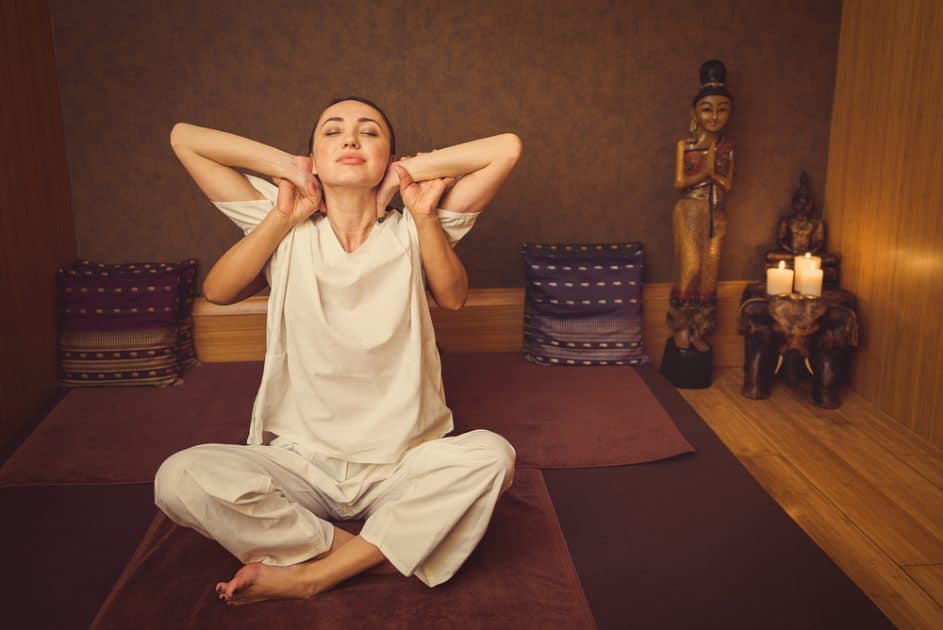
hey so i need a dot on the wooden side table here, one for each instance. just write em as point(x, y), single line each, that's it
point(791, 335)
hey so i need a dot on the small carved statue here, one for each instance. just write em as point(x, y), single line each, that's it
point(703, 175)
point(802, 230)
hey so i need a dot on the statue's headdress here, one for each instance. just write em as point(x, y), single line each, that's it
point(802, 191)
point(713, 80)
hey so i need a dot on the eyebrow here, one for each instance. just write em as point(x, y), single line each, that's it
point(339, 119)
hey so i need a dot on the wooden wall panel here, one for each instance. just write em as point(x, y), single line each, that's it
point(883, 201)
point(36, 228)
point(491, 321)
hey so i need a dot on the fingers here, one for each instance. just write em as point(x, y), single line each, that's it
point(286, 194)
point(405, 179)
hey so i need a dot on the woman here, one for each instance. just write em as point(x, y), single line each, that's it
point(703, 174)
point(350, 416)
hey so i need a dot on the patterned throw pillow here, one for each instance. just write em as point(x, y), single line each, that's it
point(127, 324)
point(583, 304)
point(186, 350)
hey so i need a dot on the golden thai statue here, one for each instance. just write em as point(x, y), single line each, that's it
point(704, 175)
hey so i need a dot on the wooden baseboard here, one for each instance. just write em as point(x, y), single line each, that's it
point(492, 321)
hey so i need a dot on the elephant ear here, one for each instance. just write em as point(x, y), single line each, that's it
point(751, 310)
point(841, 331)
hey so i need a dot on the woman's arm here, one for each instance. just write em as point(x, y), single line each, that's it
point(238, 271)
point(446, 277)
point(481, 165)
point(211, 158)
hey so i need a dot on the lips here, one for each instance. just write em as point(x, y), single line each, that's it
point(350, 158)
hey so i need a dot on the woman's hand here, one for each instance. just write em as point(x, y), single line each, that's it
point(298, 170)
point(295, 205)
point(386, 190)
point(421, 198)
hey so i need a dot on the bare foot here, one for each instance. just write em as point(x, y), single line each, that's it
point(258, 582)
point(348, 556)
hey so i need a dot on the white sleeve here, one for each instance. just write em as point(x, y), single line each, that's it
point(456, 224)
point(248, 214)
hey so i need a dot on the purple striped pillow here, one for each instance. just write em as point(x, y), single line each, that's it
point(126, 324)
point(583, 303)
point(186, 350)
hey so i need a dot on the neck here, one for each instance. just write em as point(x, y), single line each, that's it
point(352, 214)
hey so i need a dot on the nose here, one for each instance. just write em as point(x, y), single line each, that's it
point(350, 140)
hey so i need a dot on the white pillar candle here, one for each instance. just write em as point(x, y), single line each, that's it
point(779, 280)
point(809, 281)
point(806, 262)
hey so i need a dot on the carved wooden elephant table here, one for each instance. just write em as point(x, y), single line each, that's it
point(792, 335)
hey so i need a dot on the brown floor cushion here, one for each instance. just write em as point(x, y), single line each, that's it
point(695, 542)
point(561, 416)
point(63, 549)
point(520, 576)
point(554, 416)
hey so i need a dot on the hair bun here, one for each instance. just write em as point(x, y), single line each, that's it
point(713, 73)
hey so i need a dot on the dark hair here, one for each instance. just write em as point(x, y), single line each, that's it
point(359, 99)
point(713, 77)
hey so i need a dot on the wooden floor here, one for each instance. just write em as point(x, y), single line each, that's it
point(868, 492)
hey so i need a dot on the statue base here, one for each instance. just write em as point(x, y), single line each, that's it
point(687, 369)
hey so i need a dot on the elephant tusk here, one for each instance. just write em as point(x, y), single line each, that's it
point(808, 366)
point(779, 364)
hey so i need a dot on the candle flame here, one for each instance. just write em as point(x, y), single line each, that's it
point(808, 254)
point(782, 264)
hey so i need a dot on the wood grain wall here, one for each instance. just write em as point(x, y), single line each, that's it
point(884, 201)
point(36, 228)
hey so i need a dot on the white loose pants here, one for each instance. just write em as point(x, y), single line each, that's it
point(272, 504)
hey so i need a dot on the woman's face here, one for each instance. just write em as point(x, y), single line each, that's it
point(351, 145)
point(712, 112)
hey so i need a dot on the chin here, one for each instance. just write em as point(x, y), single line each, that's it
point(351, 180)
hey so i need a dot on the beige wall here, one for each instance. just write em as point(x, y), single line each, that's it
point(36, 230)
point(598, 90)
point(885, 201)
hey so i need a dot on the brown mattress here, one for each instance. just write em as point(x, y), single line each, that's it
point(63, 549)
point(695, 542)
point(520, 576)
point(690, 541)
point(597, 416)
point(561, 416)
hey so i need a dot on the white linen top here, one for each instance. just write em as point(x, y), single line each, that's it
point(351, 368)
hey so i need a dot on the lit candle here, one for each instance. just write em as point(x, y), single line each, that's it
point(806, 262)
point(809, 281)
point(779, 280)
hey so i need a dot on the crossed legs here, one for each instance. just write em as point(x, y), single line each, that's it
point(270, 506)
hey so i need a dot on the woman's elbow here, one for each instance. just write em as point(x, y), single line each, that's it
point(453, 304)
point(514, 146)
point(178, 134)
point(454, 301)
point(212, 294)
